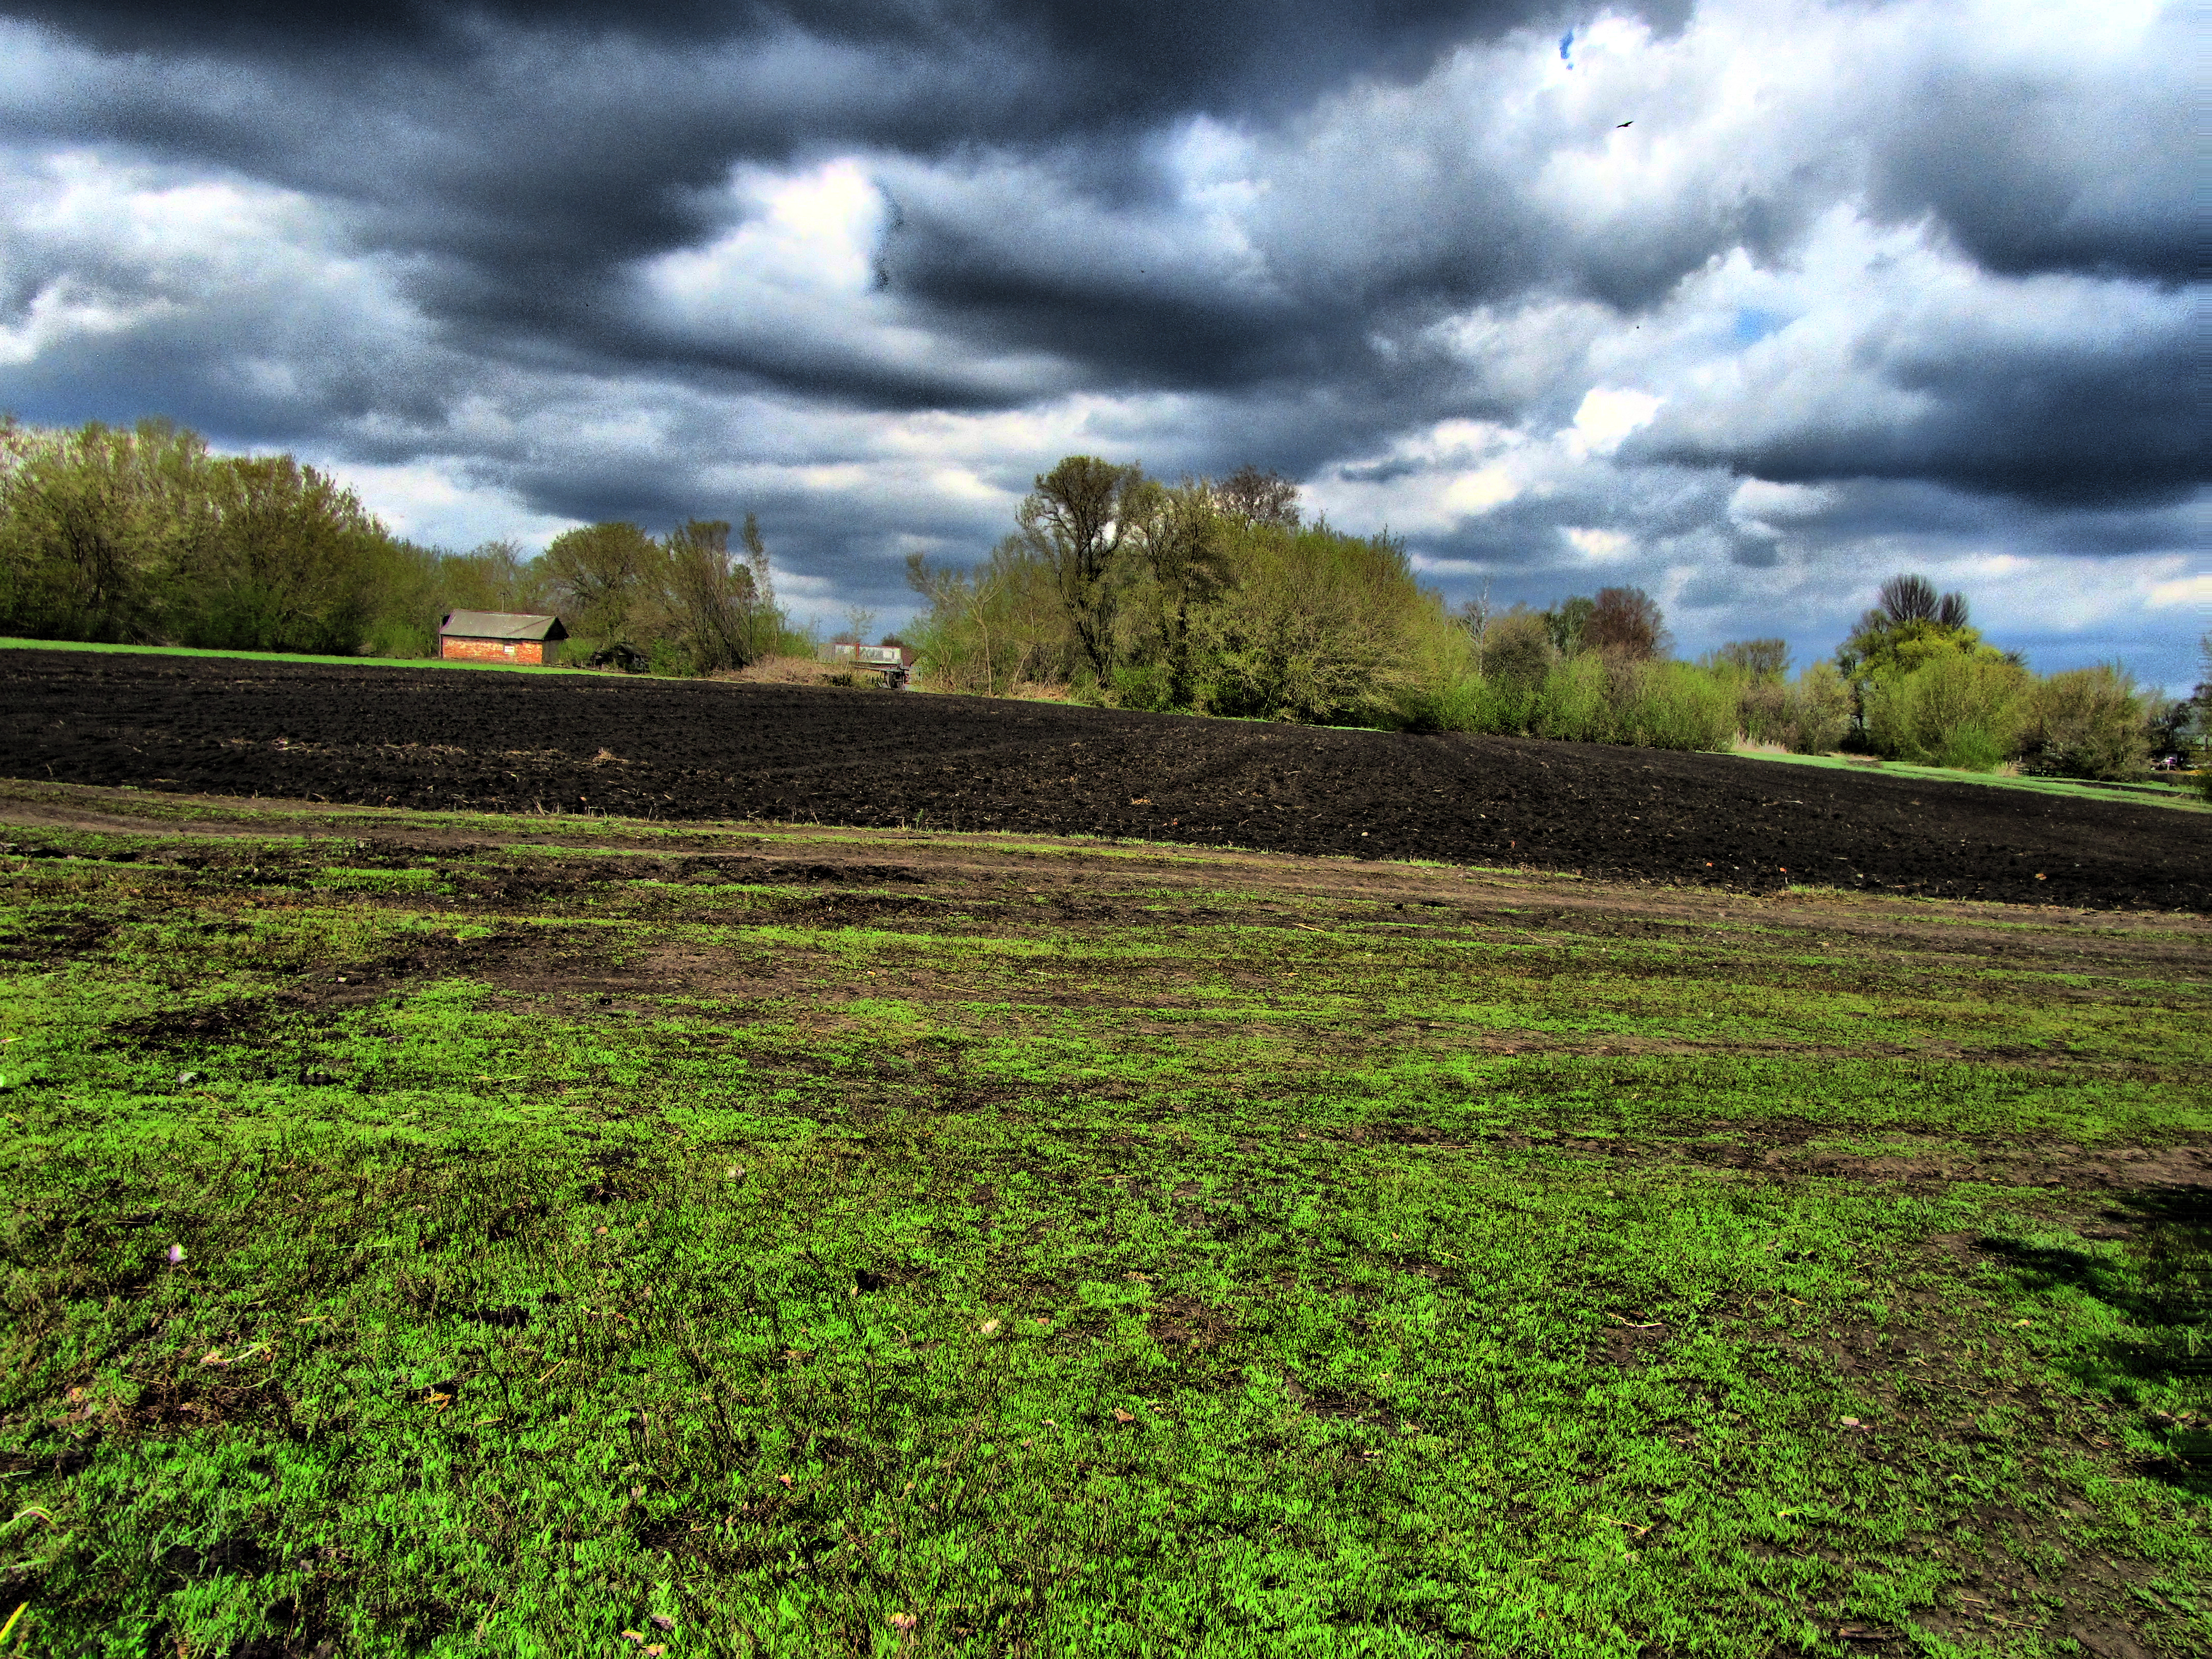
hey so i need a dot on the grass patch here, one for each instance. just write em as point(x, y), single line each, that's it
point(2149, 791)
point(436, 1239)
point(11, 644)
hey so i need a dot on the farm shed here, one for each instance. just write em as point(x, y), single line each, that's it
point(499, 636)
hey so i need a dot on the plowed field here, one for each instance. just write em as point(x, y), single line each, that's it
point(434, 738)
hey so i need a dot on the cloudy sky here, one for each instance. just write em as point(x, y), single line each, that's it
point(1750, 302)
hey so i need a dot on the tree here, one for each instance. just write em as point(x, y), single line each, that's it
point(1077, 519)
point(603, 573)
point(1316, 629)
point(1569, 623)
point(1625, 622)
point(2200, 702)
point(714, 597)
point(1181, 536)
point(1755, 659)
point(92, 520)
point(144, 535)
point(1520, 649)
point(1252, 497)
point(282, 559)
point(492, 576)
point(2086, 723)
point(989, 630)
point(1911, 627)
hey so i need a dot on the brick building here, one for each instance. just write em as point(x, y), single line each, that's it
point(499, 636)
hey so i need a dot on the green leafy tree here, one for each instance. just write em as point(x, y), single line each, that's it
point(1183, 535)
point(2086, 723)
point(1567, 622)
point(283, 560)
point(144, 535)
point(1964, 710)
point(1317, 628)
point(92, 520)
point(608, 578)
point(1912, 626)
point(2201, 702)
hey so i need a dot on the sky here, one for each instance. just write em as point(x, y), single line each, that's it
point(1749, 303)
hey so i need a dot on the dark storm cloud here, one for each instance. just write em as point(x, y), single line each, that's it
point(530, 154)
point(1851, 512)
point(2050, 173)
point(1108, 58)
point(511, 179)
point(2065, 423)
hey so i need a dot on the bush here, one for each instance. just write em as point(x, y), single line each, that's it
point(1953, 710)
point(1315, 630)
point(1675, 705)
point(1599, 698)
point(1148, 686)
point(2086, 723)
point(1440, 690)
point(993, 628)
point(1819, 711)
point(1575, 702)
point(1762, 712)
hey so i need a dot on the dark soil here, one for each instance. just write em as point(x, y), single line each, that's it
point(430, 739)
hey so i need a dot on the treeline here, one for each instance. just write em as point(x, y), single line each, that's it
point(1212, 597)
point(143, 536)
point(1218, 598)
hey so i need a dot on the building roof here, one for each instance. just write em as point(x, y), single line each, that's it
point(501, 625)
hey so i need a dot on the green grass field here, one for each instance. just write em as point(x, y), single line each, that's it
point(2178, 790)
point(11, 644)
point(429, 1234)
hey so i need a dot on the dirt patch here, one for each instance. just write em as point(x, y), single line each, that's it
point(378, 736)
point(1187, 1327)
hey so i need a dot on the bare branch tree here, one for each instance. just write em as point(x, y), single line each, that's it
point(1078, 517)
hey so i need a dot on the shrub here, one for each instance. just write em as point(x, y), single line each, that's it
point(990, 629)
point(1597, 698)
point(1146, 685)
point(1675, 705)
point(1517, 653)
point(2086, 723)
point(1441, 692)
point(1762, 709)
point(1819, 710)
point(1576, 701)
point(1314, 630)
point(1953, 710)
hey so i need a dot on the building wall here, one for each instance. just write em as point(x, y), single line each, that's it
point(454, 648)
